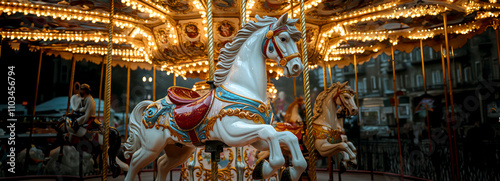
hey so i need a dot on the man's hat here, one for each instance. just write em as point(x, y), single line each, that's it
point(85, 87)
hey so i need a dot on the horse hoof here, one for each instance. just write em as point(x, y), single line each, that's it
point(257, 171)
point(353, 165)
point(342, 168)
point(285, 175)
point(115, 169)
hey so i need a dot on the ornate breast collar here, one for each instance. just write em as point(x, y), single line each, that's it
point(328, 133)
point(244, 107)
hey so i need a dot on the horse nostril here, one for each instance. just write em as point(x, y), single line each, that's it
point(296, 67)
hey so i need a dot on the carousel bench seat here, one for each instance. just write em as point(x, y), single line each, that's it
point(189, 111)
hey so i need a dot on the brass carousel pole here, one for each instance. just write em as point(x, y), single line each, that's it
point(447, 113)
point(330, 73)
point(425, 91)
point(330, 162)
point(128, 101)
point(154, 82)
point(396, 102)
point(356, 79)
point(325, 83)
point(211, 69)
point(37, 82)
point(450, 87)
point(307, 94)
point(34, 108)
point(71, 81)
point(100, 90)
point(211, 63)
point(175, 80)
point(107, 102)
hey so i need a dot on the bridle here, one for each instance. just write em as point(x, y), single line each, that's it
point(271, 37)
point(342, 101)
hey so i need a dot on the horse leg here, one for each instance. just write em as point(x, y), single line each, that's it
point(354, 152)
point(299, 163)
point(237, 133)
point(288, 139)
point(140, 159)
point(114, 146)
point(174, 156)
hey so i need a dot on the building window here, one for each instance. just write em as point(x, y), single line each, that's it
point(437, 77)
point(478, 69)
point(407, 81)
point(431, 53)
point(363, 86)
point(374, 83)
point(419, 80)
point(388, 85)
point(467, 74)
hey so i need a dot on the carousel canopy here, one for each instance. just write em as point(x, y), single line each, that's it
point(172, 34)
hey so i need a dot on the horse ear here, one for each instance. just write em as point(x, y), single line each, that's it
point(344, 84)
point(281, 21)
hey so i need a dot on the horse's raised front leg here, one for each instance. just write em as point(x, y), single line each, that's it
point(237, 133)
point(288, 139)
point(174, 156)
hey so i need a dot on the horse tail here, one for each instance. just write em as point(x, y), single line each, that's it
point(135, 139)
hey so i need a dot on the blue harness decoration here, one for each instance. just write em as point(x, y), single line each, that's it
point(252, 109)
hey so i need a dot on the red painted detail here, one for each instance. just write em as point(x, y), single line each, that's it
point(193, 137)
point(188, 116)
point(181, 95)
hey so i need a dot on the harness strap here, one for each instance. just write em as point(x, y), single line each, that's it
point(271, 37)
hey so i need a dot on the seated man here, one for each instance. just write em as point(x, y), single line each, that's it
point(87, 107)
point(76, 99)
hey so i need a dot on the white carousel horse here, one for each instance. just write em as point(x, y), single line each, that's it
point(237, 112)
point(328, 125)
point(92, 132)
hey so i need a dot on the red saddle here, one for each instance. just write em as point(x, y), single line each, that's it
point(181, 95)
point(190, 107)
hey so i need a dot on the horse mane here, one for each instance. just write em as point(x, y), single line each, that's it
point(297, 101)
point(228, 53)
point(318, 105)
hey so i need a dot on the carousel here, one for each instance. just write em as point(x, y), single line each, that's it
point(226, 126)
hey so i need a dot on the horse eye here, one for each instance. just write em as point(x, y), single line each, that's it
point(283, 39)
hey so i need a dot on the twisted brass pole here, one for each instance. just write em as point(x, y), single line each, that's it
point(107, 101)
point(356, 79)
point(307, 89)
point(325, 84)
point(100, 90)
point(397, 113)
point(127, 103)
point(211, 64)
point(330, 73)
point(211, 71)
point(450, 87)
point(243, 13)
point(445, 90)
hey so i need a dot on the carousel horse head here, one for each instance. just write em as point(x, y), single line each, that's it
point(275, 39)
point(342, 96)
point(279, 44)
point(295, 112)
point(345, 99)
